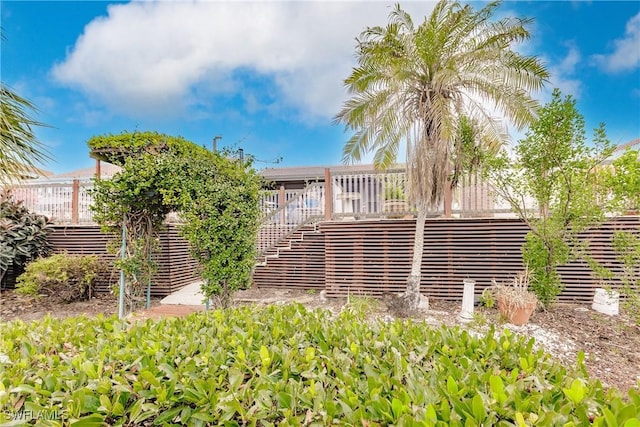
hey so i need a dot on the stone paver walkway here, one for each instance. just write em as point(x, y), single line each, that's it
point(190, 299)
point(180, 303)
point(164, 310)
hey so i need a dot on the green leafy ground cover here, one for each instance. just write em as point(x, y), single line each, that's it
point(286, 365)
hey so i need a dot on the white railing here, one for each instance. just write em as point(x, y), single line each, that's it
point(475, 197)
point(271, 200)
point(362, 195)
point(63, 201)
point(369, 194)
point(305, 207)
point(383, 195)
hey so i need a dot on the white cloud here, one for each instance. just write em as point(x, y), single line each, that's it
point(626, 51)
point(149, 56)
point(563, 74)
point(569, 62)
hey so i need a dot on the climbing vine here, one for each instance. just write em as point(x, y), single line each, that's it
point(219, 206)
point(131, 200)
point(214, 194)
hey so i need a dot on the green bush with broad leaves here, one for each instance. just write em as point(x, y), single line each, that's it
point(287, 366)
point(63, 277)
point(23, 235)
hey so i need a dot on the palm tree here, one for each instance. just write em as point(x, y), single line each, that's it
point(414, 84)
point(20, 150)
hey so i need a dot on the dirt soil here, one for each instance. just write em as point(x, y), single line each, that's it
point(611, 343)
point(14, 306)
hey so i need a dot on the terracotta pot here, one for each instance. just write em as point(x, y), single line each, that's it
point(517, 315)
point(395, 205)
point(396, 208)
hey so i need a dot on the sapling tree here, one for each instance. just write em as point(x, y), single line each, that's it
point(626, 245)
point(552, 183)
point(623, 181)
point(131, 199)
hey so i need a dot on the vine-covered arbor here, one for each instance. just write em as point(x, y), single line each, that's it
point(215, 195)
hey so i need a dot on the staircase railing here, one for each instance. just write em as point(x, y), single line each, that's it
point(305, 208)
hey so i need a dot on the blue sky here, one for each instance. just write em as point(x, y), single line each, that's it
point(267, 76)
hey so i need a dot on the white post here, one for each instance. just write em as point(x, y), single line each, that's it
point(466, 314)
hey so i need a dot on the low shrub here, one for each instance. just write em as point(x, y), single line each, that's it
point(284, 365)
point(487, 299)
point(65, 277)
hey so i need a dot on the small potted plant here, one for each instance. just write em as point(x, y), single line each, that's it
point(515, 302)
point(395, 195)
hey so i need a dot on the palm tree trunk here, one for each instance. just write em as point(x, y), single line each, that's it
point(411, 298)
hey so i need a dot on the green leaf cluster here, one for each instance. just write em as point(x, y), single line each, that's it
point(23, 234)
point(285, 365)
point(555, 167)
point(117, 148)
point(218, 199)
point(64, 277)
point(624, 181)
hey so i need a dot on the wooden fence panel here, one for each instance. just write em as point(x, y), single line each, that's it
point(176, 268)
point(478, 249)
point(300, 266)
point(374, 257)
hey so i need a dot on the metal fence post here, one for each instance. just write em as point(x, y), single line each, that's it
point(122, 257)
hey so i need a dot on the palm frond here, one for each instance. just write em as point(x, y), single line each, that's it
point(20, 150)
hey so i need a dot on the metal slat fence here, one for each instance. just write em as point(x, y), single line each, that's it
point(374, 258)
point(176, 267)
